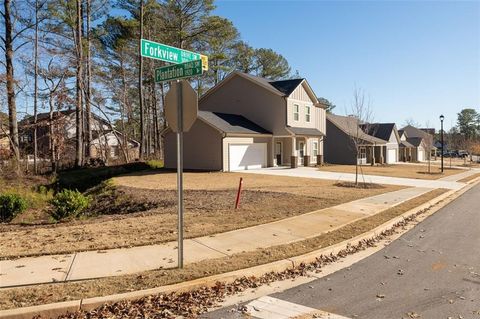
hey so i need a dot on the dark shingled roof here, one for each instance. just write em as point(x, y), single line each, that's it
point(381, 130)
point(415, 141)
point(349, 125)
point(414, 132)
point(305, 131)
point(283, 87)
point(286, 86)
point(231, 123)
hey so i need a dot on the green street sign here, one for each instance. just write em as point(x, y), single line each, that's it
point(178, 71)
point(167, 53)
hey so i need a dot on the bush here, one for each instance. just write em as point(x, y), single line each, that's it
point(69, 203)
point(10, 206)
point(155, 164)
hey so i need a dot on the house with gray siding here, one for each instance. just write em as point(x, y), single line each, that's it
point(247, 122)
point(351, 141)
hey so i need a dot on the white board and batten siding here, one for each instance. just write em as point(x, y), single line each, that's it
point(317, 114)
point(240, 153)
point(392, 149)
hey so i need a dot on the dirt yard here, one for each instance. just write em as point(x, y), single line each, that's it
point(141, 216)
point(48, 293)
point(419, 171)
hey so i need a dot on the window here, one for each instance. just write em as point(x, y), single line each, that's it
point(363, 153)
point(315, 149)
point(296, 112)
point(307, 113)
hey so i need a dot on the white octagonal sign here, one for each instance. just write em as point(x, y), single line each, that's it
point(189, 105)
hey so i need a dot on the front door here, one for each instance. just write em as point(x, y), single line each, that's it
point(278, 152)
point(301, 151)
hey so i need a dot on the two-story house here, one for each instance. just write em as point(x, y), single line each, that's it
point(248, 122)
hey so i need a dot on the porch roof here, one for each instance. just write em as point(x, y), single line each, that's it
point(305, 131)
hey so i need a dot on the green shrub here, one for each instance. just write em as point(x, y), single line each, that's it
point(69, 203)
point(155, 164)
point(10, 206)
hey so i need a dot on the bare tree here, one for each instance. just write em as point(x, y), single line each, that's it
point(360, 116)
point(428, 140)
point(140, 85)
point(79, 84)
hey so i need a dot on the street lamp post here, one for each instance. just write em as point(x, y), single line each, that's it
point(441, 139)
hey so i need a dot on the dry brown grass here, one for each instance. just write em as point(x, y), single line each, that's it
point(419, 171)
point(469, 178)
point(27, 296)
point(209, 201)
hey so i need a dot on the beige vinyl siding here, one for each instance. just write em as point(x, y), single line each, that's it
point(317, 115)
point(201, 148)
point(241, 96)
point(246, 140)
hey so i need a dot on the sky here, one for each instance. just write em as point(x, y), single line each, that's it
point(413, 59)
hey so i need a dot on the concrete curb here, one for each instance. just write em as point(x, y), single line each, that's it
point(56, 309)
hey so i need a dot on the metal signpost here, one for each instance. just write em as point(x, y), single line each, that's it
point(181, 104)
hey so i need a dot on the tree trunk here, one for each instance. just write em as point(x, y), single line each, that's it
point(88, 135)
point(79, 106)
point(35, 93)
point(12, 108)
point(140, 85)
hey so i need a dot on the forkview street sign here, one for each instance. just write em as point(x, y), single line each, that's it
point(178, 71)
point(167, 53)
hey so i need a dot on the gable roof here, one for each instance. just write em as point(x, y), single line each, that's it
point(282, 88)
point(405, 144)
point(349, 125)
point(415, 141)
point(46, 116)
point(414, 132)
point(381, 130)
point(286, 86)
point(231, 123)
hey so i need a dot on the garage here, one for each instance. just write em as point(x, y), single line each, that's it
point(247, 156)
point(391, 156)
point(421, 155)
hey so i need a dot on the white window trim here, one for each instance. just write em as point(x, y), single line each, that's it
point(308, 113)
point(296, 112)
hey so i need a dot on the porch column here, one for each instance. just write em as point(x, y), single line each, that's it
point(272, 152)
point(293, 158)
point(382, 158)
point(372, 150)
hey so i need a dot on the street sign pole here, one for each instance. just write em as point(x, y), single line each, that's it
point(180, 172)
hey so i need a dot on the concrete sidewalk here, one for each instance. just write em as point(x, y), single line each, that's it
point(449, 182)
point(95, 264)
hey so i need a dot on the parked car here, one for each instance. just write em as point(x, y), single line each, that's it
point(462, 153)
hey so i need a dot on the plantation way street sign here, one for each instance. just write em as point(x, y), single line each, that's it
point(178, 71)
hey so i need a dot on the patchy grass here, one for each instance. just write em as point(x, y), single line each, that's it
point(122, 216)
point(419, 171)
point(49, 293)
point(469, 178)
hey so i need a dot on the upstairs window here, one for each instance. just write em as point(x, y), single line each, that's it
point(296, 112)
point(307, 113)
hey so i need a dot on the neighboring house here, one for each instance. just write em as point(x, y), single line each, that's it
point(104, 145)
point(389, 133)
point(345, 133)
point(4, 140)
point(421, 141)
point(247, 122)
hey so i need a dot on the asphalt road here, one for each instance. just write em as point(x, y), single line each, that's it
point(432, 271)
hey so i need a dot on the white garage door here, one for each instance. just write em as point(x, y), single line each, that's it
point(391, 156)
point(247, 156)
point(421, 156)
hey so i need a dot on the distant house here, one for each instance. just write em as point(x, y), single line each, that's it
point(377, 142)
point(105, 144)
point(4, 139)
point(248, 122)
point(420, 140)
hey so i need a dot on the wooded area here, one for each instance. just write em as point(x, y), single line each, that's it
point(83, 55)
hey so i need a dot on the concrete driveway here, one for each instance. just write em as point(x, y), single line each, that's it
point(312, 172)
